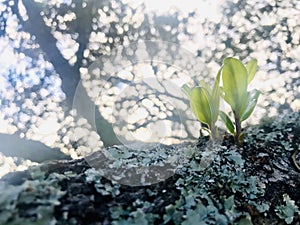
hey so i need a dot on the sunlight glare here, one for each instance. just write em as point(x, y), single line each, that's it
point(206, 9)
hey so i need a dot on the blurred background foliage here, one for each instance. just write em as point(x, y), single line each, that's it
point(46, 47)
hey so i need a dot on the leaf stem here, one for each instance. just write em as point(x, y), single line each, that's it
point(213, 132)
point(238, 127)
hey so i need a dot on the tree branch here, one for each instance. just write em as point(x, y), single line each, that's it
point(14, 146)
point(35, 26)
point(69, 75)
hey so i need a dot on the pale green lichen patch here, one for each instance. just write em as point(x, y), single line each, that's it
point(33, 202)
point(288, 210)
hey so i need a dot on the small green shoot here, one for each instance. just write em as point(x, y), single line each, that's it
point(205, 104)
point(236, 77)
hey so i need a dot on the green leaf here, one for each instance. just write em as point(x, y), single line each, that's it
point(234, 76)
point(243, 104)
point(251, 103)
point(216, 93)
point(216, 88)
point(213, 102)
point(187, 90)
point(205, 86)
point(251, 69)
point(227, 121)
point(215, 107)
point(199, 102)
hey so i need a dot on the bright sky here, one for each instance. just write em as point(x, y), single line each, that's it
point(207, 9)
